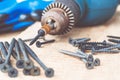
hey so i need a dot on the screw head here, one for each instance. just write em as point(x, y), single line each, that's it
point(97, 62)
point(26, 71)
point(90, 58)
point(2, 61)
point(20, 64)
point(13, 72)
point(38, 44)
point(4, 68)
point(28, 65)
point(35, 71)
point(89, 65)
point(49, 72)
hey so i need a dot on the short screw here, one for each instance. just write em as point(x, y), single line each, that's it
point(28, 64)
point(49, 72)
point(39, 44)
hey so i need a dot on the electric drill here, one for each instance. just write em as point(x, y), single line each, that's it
point(59, 17)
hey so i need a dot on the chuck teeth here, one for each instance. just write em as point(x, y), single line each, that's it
point(68, 12)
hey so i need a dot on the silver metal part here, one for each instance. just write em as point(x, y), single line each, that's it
point(62, 15)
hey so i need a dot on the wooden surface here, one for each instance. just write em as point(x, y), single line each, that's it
point(69, 68)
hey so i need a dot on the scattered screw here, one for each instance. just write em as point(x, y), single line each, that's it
point(112, 47)
point(78, 54)
point(39, 44)
point(49, 72)
point(27, 40)
point(84, 47)
point(88, 57)
point(105, 51)
point(114, 37)
point(28, 64)
point(74, 42)
point(113, 40)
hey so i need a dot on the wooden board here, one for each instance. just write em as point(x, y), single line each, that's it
point(70, 68)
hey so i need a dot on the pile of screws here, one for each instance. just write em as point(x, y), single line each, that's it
point(84, 45)
point(21, 53)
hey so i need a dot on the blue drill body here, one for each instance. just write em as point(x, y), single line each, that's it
point(86, 12)
point(96, 12)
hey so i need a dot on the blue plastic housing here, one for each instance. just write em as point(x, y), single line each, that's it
point(15, 8)
point(96, 12)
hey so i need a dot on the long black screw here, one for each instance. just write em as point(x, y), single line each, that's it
point(49, 72)
point(7, 45)
point(116, 37)
point(28, 64)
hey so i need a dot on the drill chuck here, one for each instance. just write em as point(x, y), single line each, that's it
point(68, 14)
point(62, 15)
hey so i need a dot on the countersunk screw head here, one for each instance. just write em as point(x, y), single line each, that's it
point(49, 72)
point(89, 65)
point(28, 65)
point(38, 44)
point(20, 64)
point(26, 71)
point(4, 68)
point(35, 71)
point(97, 62)
point(90, 58)
point(13, 73)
